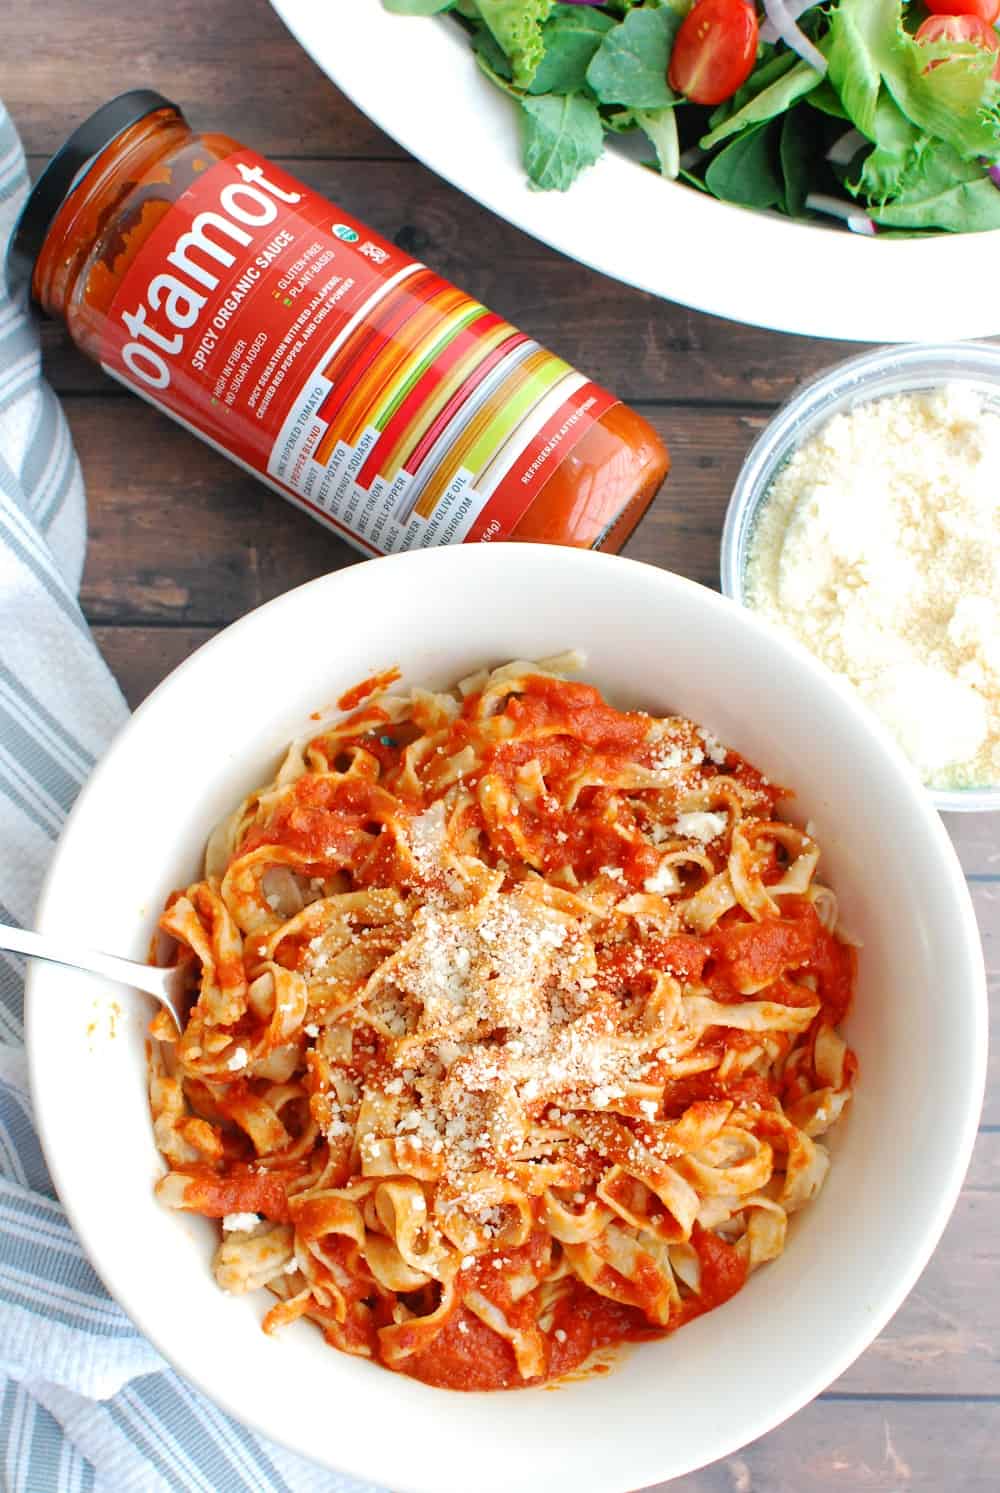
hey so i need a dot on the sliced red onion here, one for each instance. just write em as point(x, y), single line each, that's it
point(845, 147)
point(769, 31)
point(691, 157)
point(780, 17)
point(993, 172)
point(856, 220)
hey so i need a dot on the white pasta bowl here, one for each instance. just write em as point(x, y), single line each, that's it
point(216, 728)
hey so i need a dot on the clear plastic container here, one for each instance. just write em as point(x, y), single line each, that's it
point(887, 370)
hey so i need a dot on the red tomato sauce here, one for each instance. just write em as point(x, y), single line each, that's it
point(324, 821)
point(553, 705)
point(723, 1271)
point(468, 1355)
point(757, 954)
point(240, 1190)
point(371, 686)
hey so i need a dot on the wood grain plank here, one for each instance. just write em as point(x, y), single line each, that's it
point(838, 1446)
point(639, 346)
point(986, 900)
point(945, 1338)
point(140, 657)
point(231, 66)
point(179, 534)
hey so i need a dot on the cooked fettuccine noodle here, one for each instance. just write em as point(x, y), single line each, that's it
point(512, 1029)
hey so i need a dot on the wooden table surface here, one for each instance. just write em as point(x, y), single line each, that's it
point(182, 543)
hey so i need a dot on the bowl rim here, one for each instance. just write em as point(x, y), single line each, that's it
point(953, 883)
point(664, 237)
point(816, 399)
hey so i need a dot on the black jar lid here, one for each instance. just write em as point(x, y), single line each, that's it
point(57, 180)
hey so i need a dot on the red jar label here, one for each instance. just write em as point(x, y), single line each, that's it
point(345, 374)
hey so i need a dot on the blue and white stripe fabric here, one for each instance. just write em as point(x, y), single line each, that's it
point(86, 1404)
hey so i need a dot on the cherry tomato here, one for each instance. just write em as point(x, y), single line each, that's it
point(714, 51)
point(983, 10)
point(963, 29)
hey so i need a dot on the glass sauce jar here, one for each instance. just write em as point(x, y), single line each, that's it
point(346, 375)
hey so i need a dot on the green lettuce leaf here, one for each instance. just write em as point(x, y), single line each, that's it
point(417, 7)
point(896, 140)
point(491, 55)
point(660, 128)
point(630, 65)
point(944, 89)
point(562, 136)
point(827, 101)
point(517, 27)
point(944, 192)
point(851, 54)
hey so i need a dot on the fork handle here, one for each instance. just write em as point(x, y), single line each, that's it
point(109, 966)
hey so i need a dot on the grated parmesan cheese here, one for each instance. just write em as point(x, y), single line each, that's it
point(700, 825)
point(238, 1060)
point(663, 880)
point(878, 547)
point(239, 1223)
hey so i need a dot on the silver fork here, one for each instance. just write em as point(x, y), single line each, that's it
point(165, 985)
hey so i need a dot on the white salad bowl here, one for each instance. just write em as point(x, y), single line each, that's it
point(217, 727)
point(417, 80)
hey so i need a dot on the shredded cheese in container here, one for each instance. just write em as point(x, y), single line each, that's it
point(878, 547)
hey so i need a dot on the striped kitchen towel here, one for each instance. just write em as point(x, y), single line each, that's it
point(85, 1402)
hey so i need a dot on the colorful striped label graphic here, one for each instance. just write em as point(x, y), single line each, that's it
point(421, 425)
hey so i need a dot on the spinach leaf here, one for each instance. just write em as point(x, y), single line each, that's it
point(562, 136)
point(745, 171)
point(770, 102)
point(630, 65)
point(570, 38)
point(798, 148)
point(942, 191)
point(692, 180)
point(517, 27)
